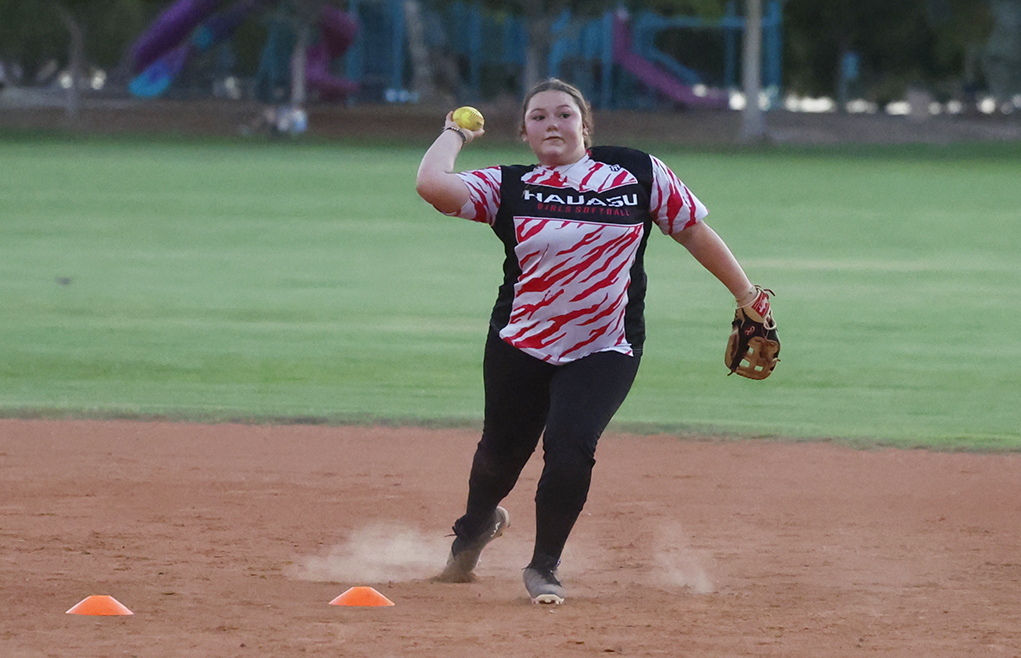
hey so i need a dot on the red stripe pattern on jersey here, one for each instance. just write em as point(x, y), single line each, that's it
point(569, 300)
point(586, 175)
point(672, 205)
point(484, 194)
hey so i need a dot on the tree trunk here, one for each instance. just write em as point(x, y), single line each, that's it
point(540, 40)
point(422, 78)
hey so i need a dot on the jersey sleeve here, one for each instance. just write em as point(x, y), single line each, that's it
point(672, 205)
point(483, 195)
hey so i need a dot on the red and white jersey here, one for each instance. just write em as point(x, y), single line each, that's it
point(574, 278)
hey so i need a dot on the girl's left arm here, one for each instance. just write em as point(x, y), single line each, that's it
point(712, 252)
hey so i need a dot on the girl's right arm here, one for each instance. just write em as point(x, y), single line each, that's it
point(436, 181)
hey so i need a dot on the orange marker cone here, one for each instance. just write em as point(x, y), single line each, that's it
point(99, 605)
point(361, 596)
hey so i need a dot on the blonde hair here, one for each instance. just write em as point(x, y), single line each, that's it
point(556, 84)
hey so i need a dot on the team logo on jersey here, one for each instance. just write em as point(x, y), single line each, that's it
point(618, 201)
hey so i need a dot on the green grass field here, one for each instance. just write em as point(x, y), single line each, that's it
point(216, 281)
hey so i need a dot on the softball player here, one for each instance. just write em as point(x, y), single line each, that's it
point(566, 332)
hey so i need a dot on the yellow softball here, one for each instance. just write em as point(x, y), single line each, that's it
point(468, 118)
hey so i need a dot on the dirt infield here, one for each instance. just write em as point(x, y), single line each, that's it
point(231, 540)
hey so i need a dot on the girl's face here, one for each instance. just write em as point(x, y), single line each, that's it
point(554, 128)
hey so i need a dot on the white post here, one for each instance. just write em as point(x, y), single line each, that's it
point(298, 66)
point(76, 60)
point(754, 124)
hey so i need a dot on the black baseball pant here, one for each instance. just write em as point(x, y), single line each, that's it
point(524, 396)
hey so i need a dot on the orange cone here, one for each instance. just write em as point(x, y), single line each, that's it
point(361, 596)
point(99, 605)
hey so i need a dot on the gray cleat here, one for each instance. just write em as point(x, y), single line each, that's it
point(463, 558)
point(543, 586)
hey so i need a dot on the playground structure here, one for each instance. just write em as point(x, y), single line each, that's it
point(190, 27)
point(616, 59)
point(613, 58)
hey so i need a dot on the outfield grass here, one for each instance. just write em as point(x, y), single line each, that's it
point(218, 280)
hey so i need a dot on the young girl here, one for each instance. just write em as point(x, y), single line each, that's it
point(566, 333)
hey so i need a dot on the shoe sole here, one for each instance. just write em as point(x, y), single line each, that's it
point(548, 599)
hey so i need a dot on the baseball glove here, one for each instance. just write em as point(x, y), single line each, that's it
point(753, 346)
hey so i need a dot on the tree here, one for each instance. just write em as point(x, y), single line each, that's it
point(1002, 61)
point(35, 32)
point(540, 15)
point(899, 43)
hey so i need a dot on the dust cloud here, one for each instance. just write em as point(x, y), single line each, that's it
point(382, 552)
point(679, 564)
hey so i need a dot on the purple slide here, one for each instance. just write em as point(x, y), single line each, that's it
point(318, 77)
point(338, 30)
point(159, 74)
point(655, 77)
point(170, 29)
point(222, 25)
point(190, 26)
